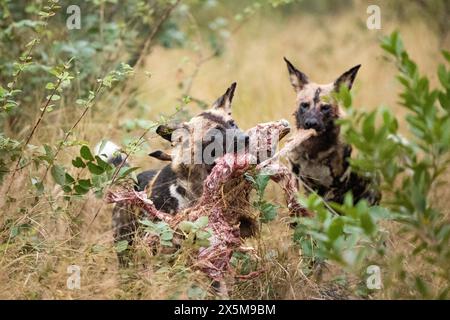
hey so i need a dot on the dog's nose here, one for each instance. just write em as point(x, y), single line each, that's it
point(311, 124)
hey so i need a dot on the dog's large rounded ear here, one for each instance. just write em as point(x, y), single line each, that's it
point(224, 102)
point(165, 132)
point(160, 155)
point(298, 78)
point(346, 78)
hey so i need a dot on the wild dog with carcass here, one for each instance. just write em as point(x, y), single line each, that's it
point(225, 199)
point(179, 184)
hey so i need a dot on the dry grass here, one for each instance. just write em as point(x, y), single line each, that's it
point(322, 47)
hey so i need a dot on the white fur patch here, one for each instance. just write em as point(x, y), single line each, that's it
point(182, 201)
point(106, 150)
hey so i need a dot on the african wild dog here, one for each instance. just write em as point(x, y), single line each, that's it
point(321, 162)
point(180, 183)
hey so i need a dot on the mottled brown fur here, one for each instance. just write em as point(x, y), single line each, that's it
point(179, 184)
point(321, 162)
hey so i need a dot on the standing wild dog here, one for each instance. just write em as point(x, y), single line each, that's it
point(195, 146)
point(321, 162)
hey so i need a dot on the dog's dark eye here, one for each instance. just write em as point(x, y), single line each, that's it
point(304, 106)
point(326, 107)
point(232, 124)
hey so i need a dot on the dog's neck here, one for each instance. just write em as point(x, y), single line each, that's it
point(322, 142)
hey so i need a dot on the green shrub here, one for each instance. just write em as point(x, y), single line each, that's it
point(410, 170)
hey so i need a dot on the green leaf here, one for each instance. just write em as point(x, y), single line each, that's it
point(201, 222)
point(121, 246)
point(49, 86)
point(95, 169)
point(196, 293)
point(167, 236)
point(147, 223)
point(161, 226)
point(54, 97)
point(268, 211)
point(125, 172)
point(202, 243)
point(58, 174)
point(443, 76)
point(345, 96)
point(335, 229)
point(367, 223)
point(422, 287)
point(444, 233)
point(97, 248)
point(186, 226)
point(69, 178)
point(14, 232)
point(261, 181)
point(203, 234)
point(49, 155)
point(166, 243)
point(85, 152)
point(85, 183)
point(446, 55)
point(102, 163)
point(319, 236)
point(78, 163)
point(369, 127)
point(80, 189)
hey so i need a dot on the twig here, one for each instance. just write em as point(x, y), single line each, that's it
point(86, 109)
point(30, 50)
point(18, 169)
point(116, 172)
point(201, 60)
point(194, 74)
point(144, 50)
point(30, 136)
point(27, 57)
point(155, 31)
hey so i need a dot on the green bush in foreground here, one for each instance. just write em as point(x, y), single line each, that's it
point(411, 171)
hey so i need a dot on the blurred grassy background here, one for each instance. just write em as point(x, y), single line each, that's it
point(323, 45)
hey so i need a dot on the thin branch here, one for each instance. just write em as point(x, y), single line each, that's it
point(30, 136)
point(155, 31)
point(196, 71)
point(86, 109)
point(144, 50)
point(116, 172)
